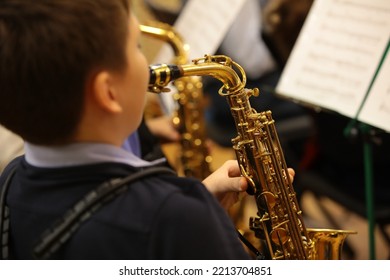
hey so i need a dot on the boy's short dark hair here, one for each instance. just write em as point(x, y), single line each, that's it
point(49, 49)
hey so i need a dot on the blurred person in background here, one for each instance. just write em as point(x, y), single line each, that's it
point(11, 146)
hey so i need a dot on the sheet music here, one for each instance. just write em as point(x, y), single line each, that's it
point(337, 53)
point(376, 110)
point(202, 24)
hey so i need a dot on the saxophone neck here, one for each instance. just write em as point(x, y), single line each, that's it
point(219, 67)
point(167, 33)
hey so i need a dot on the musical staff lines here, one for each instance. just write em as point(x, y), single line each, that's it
point(337, 53)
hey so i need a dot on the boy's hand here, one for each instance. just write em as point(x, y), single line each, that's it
point(226, 183)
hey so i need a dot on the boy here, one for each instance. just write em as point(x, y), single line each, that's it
point(73, 83)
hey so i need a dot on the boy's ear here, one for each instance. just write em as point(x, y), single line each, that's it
point(104, 92)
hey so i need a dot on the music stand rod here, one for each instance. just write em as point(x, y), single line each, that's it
point(368, 162)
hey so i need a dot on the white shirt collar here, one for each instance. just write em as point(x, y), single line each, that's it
point(80, 154)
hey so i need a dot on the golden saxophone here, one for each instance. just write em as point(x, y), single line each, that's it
point(279, 223)
point(188, 118)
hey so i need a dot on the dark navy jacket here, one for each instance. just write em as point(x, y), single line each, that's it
point(158, 217)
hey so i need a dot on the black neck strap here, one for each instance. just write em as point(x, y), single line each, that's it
point(4, 218)
point(54, 237)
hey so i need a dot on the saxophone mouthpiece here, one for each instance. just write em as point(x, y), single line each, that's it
point(161, 75)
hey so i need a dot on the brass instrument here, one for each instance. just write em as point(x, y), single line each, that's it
point(279, 224)
point(188, 118)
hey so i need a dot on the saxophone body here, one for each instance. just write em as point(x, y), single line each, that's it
point(279, 224)
point(188, 117)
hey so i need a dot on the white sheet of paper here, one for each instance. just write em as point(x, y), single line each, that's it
point(337, 53)
point(376, 110)
point(202, 24)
